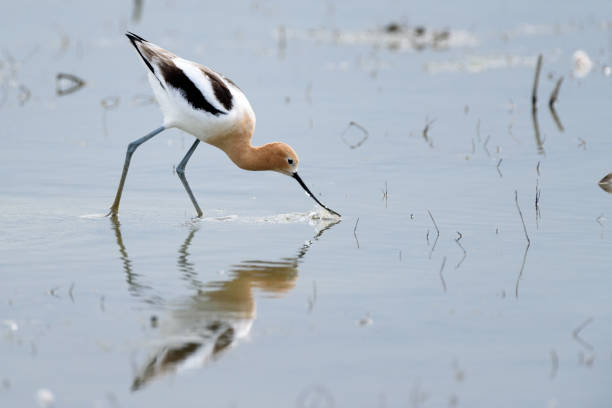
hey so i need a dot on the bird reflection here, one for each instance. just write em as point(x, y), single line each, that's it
point(217, 316)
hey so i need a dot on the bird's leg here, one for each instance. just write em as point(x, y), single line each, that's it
point(114, 210)
point(180, 170)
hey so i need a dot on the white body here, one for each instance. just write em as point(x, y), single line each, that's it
point(179, 113)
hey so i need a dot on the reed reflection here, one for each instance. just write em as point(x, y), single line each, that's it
point(217, 316)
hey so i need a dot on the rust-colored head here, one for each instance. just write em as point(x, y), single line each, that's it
point(281, 157)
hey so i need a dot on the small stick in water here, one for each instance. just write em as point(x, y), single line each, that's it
point(360, 142)
point(428, 123)
point(355, 232)
point(555, 364)
point(385, 195)
point(576, 333)
point(551, 105)
point(434, 222)
point(67, 83)
point(536, 79)
point(437, 234)
point(555, 92)
point(442, 276)
point(485, 145)
point(521, 214)
point(70, 292)
point(462, 248)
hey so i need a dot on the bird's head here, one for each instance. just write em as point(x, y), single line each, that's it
point(283, 159)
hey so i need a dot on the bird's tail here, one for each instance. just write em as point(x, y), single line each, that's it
point(137, 42)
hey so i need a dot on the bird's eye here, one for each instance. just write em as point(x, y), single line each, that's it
point(290, 161)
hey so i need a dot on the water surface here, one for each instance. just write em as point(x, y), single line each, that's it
point(260, 305)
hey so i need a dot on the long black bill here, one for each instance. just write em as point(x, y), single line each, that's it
point(299, 180)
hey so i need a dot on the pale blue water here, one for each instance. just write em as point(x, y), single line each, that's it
point(349, 317)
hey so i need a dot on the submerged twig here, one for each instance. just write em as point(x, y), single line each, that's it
point(576, 334)
point(313, 299)
point(555, 92)
point(536, 130)
point(355, 232)
point(484, 145)
point(554, 360)
point(497, 167)
point(526, 248)
point(434, 222)
point(606, 183)
point(442, 276)
point(521, 215)
point(551, 105)
point(385, 194)
point(437, 234)
point(74, 83)
point(361, 141)
point(556, 119)
point(536, 79)
point(428, 123)
point(70, 292)
point(462, 248)
point(520, 275)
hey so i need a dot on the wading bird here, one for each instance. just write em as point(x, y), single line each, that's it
point(210, 107)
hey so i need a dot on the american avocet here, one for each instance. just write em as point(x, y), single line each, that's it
point(212, 108)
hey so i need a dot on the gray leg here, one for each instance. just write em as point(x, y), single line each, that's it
point(180, 170)
point(114, 210)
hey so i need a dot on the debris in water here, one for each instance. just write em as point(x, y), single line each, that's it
point(45, 398)
point(365, 320)
point(11, 324)
point(555, 93)
point(576, 334)
point(442, 276)
point(428, 123)
point(555, 364)
point(137, 10)
point(24, 94)
point(360, 141)
point(67, 83)
point(536, 80)
point(606, 183)
point(582, 64)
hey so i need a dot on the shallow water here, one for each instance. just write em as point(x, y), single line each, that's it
point(425, 294)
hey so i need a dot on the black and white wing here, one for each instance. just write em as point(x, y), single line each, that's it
point(204, 89)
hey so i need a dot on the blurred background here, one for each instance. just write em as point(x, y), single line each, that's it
point(470, 267)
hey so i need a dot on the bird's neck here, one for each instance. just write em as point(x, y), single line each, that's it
point(247, 156)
